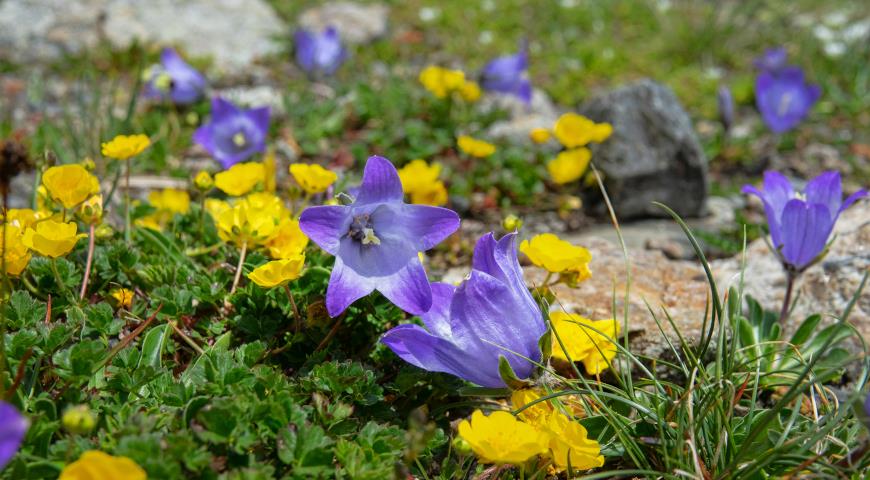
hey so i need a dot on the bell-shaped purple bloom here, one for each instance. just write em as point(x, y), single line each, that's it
point(784, 98)
point(13, 426)
point(801, 222)
point(491, 314)
point(725, 101)
point(233, 134)
point(773, 60)
point(319, 52)
point(375, 241)
point(508, 74)
point(173, 79)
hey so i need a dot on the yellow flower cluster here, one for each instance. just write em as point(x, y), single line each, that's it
point(540, 429)
point(474, 147)
point(420, 181)
point(97, 465)
point(584, 340)
point(443, 82)
point(555, 255)
point(17, 254)
point(312, 177)
point(574, 132)
point(124, 147)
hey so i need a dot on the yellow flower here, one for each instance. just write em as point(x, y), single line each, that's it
point(278, 272)
point(583, 344)
point(123, 147)
point(540, 135)
point(569, 441)
point(554, 254)
point(78, 419)
point(249, 222)
point(474, 147)
point(91, 211)
point(535, 415)
point(22, 217)
point(288, 241)
point(17, 254)
point(52, 239)
point(215, 207)
point(149, 221)
point(123, 296)
point(312, 177)
point(96, 465)
point(512, 223)
point(435, 195)
point(170, 200)
point(569, 165)
point(573, 130)
point(418, 175)
point(442, 81)
point(240, 179)
point(70, 185)
point(470, 91)
point(203, 181)
point(270, 172)
point(502, 438)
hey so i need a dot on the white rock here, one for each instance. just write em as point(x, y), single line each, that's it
point(355, 23)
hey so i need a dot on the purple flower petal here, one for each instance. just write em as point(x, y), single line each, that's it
point(784, 98)
point(827, 190)
point(345, 287)
point(773, 60)
point(233, 135)
point(507, 74)
point(437, 319)
point(853, 198)
point(13, 426)
point(325, 225)
point(805, 231)
point(380, 183)
point(319, 52)
point(408, 288)
point(429, 225)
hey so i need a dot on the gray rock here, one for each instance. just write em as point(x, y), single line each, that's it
point(233, 33)
point(355, 23)
point(256, 96)
point(653, 154)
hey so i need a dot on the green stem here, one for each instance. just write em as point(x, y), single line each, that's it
point(240, 267)
point(127, 203)
point(88, 263)
point(791, 277)
point(297, 319)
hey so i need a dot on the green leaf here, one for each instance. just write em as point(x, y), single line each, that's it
point(152, 346)
point(508, 376)
point(805, 330)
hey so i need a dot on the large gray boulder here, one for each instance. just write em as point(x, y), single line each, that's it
point(653, 154)
point(233, 33)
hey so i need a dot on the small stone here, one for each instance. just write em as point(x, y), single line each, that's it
point(540, 113)
point(356, 23)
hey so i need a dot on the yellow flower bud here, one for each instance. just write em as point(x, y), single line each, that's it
point(540, 135)
point(79, 420)
point(474, 147)
point(203, 181)
point(91, 211)
point(512, 223)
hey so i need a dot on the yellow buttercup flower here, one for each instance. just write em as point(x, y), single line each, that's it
point(418, 175)
point(216, 207)
point(312, 177)
point(574, 130)
point(584, 344)
point(569, 165)
point(288, 241)
point(442, 81)
point(435, 195)
point(170, 200)
point(540, 135)
point(203, 181)
point(470, 91)
point(550, 252)
point(97, 465)
point(123, 147)
point(502, 438)
point(52, 239)
point(70, 185)
point(474, 147)
point(123, 296)
point(536, 414)
point(240, 179)
point(17, 255)
point(22, 217)
point(569, 441)
point(278, 272)
point(245, 223)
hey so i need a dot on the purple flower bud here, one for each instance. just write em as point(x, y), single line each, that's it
point(801, 222)
point(772, 60)
point(233, 134)
point(490, 315)
point(13, 426)
point(726, 107)
point(508, 74)
point(173, 79)
point(375, 241)
point(784, 98)
point(319, 52)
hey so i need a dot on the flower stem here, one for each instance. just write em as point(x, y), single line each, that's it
point(127, 203)
point(88, 263)
point(296, 318)
point(791, 277)
point(239, 267)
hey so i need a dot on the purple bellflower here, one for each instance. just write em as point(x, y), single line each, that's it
point(725, 102)
point(13, 426)
point(173, 79)
point(490, 315)
point(784, 98)
point(375, 241)
point(233, 134)
point(773, 60)
point(319, 52)
point(801, 222)
point(508, 74)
